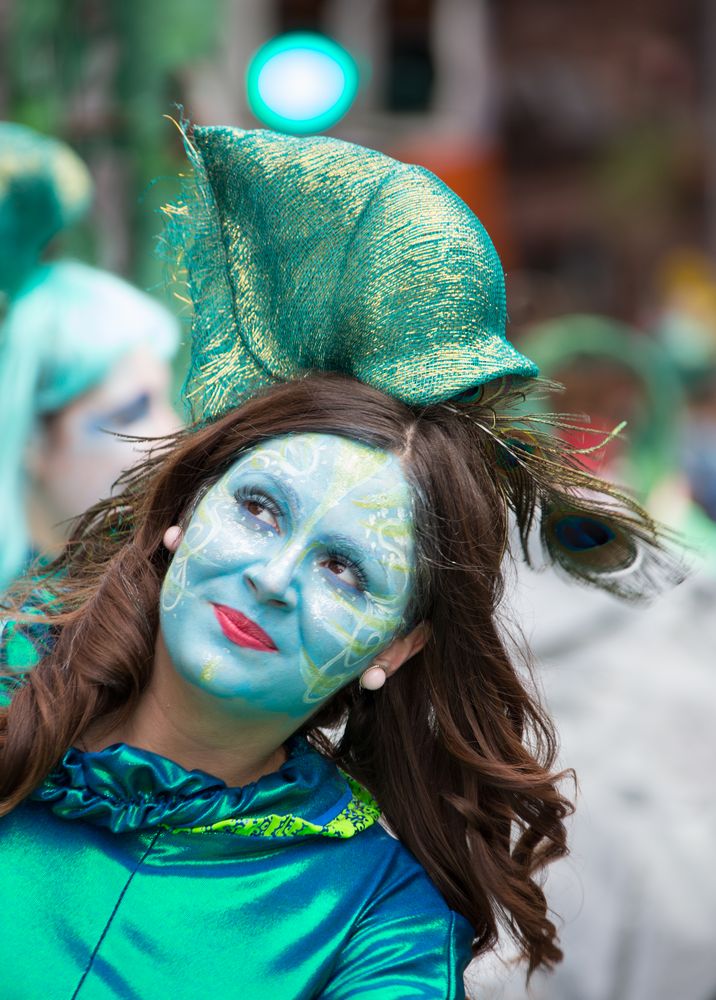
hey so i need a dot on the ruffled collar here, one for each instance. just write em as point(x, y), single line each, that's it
point(127, 789)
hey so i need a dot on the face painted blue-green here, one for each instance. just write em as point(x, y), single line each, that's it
point(295, 571)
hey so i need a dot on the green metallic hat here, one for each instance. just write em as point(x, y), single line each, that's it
point(305, 254)
point(44, 187)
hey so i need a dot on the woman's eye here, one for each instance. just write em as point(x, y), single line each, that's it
point(260, 512)
point(344, 571)
point(133, 411)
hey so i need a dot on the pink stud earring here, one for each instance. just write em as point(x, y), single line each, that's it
point(172, 537)
point(374, 677)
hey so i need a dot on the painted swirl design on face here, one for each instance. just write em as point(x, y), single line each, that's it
point(203, 529)
point(359, 627)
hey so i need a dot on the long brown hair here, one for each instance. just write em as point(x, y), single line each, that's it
point(454, 747)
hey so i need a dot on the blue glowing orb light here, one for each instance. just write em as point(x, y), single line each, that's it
point(301, 83)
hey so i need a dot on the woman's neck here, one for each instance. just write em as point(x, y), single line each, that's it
point(176, 720)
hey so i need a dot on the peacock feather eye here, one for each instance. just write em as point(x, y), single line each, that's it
point(578, 532)
point(587, 545)
point(508, 451)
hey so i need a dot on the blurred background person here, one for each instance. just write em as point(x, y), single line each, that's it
point(685, 323)
point(613, 373)
point(84, 357)
point(82, 354)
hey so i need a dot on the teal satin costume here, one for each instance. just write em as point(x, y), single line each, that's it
point(125, 876)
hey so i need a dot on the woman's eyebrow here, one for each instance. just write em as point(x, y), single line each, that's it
point(352, 544)
point(294, 501)
point(124, 412)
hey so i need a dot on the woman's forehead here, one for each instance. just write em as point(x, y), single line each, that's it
point(330, 466)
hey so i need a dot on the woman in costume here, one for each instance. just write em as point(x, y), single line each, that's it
point(321, 553)
point(82, 352)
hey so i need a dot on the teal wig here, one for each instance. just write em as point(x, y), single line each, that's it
point(65, 330)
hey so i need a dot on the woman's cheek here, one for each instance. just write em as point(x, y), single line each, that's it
point(342, 630)
point(333, 648)
point(323, 621)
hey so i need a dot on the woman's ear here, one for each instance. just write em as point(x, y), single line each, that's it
point(400, 650)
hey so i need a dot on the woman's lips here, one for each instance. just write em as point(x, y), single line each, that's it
point(241, 630)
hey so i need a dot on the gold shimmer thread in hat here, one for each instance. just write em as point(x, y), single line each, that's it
point(307, 254)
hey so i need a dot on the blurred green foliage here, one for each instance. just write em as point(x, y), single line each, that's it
point(100, 74)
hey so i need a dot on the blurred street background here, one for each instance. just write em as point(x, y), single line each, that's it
point(583, 135)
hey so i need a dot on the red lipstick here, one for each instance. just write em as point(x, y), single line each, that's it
point(241, 630)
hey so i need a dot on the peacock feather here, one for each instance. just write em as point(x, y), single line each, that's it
point(589, 528)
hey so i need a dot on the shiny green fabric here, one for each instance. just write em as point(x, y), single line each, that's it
point(23, 644)
point(317, 254)
point(102, 898)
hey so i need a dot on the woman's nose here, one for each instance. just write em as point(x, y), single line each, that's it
point(272, 582)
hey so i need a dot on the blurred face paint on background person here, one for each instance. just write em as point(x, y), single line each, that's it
point(295, 571)
point(81, 455)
